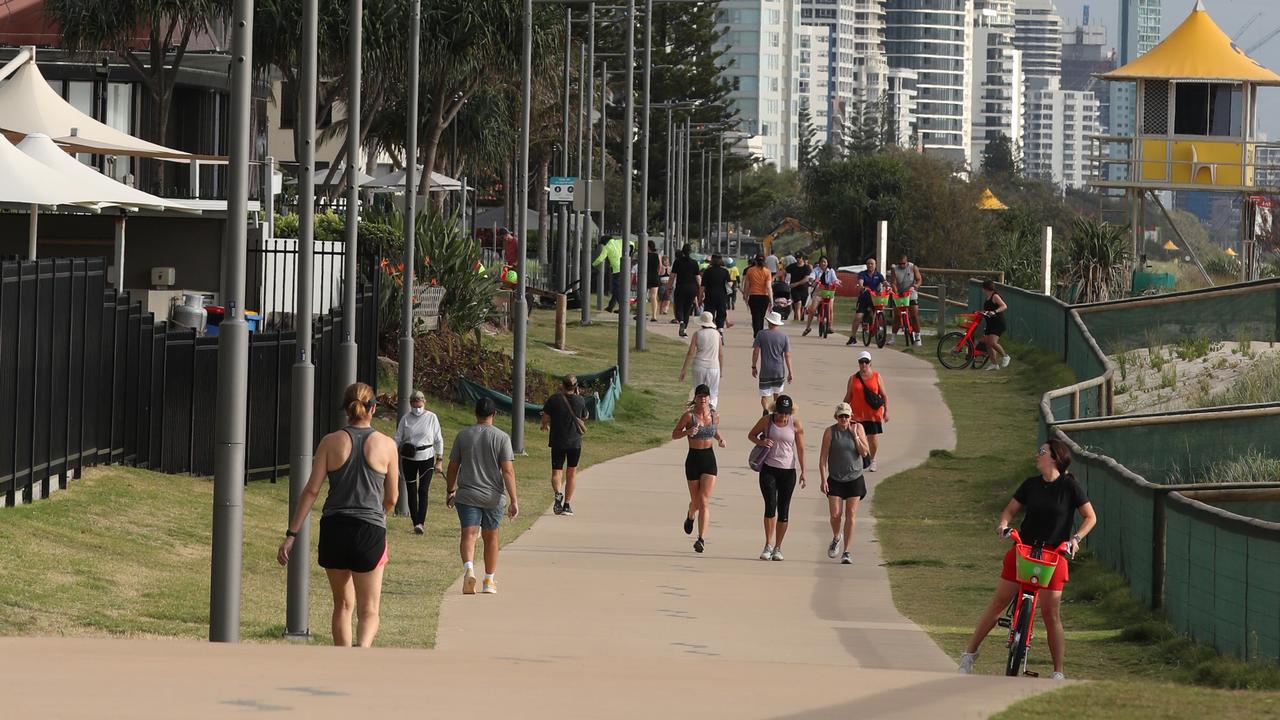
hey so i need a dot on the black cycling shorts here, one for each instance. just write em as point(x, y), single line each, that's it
point(348, 543)
point(700, 462)
point(559, 456)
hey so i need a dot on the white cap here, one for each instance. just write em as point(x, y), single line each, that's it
point(773, 318)
point(864, 355)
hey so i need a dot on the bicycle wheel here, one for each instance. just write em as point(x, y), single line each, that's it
point(980, 360)
point(866, 334)
point(881, 334)
point(823, 325)
point(954, 351)
point(1018, 638)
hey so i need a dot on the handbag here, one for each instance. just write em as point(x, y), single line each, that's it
point(577, 421)
point(874, 400)
point(759, 454)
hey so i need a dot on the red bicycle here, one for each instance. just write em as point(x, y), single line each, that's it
point(1036, 565)
point(958, 350)
point(826, 308)
point(902, 308)
point(876, 327)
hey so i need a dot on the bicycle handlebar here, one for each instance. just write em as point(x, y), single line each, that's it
point(1062, 548)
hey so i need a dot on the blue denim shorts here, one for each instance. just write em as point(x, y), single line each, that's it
point(486, 518)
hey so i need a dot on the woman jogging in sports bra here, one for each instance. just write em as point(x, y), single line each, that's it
point(364, 480)
point(700, 424)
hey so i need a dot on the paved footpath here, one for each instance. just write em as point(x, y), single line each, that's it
point(608, 613)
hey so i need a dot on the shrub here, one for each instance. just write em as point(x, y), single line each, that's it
point(1096, 257)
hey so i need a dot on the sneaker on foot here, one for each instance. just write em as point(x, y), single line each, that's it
point(698, 545)
point(777, 554)
point(688, 526)
point(834, 547)
point(672, 321)
point(845, 559)
point(767, 553)
point(872, 466)
point(919, 339)
point(1057, 676)
point(993, 366)
point(966, 662)
point(417, 529)
point(568, 510)
point(807, 331)
point(469, 582)
point(1004, 361)
point(890, 340)
point(490, 587)
point(850, 341)
point(558, 508)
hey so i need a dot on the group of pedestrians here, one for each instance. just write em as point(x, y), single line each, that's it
point(363, 468)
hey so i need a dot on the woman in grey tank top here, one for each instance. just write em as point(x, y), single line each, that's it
point(360, 464)
point(840, 465)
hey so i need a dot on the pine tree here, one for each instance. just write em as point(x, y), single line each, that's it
point(808, 147)
point(862, 129)
point(998, 158)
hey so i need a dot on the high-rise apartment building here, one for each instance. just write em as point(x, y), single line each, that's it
point(1038, 34)
point(811, 83)
point(900, 106)
point(1084, 56)
point(932, 38)
point(1059, 123)
point(997, 105)
point(758, 45)
point(859, 70)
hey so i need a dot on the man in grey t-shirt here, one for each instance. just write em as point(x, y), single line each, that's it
point(481, 476)
point(771, 360)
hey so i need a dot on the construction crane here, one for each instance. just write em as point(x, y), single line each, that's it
point(1247, 24)
point(787, 225)
point(1265, 39)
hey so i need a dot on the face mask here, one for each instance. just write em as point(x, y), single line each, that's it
point(419, 411)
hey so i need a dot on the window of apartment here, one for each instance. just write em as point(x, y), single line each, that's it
point(774, 39)
point(775, 17)
point(772, 61)
point(737, 82)
point(773, 84)
point(764, 129)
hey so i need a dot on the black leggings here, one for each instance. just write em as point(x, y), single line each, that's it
point(759, 305)
point(776, 485)
point(413, 470)
point(684, 299)
point(717, 307)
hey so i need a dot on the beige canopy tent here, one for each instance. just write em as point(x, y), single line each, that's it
point(394, 181)
point(91, 188)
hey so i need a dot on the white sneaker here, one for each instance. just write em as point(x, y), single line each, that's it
point(469, 582)
point(1057, 676)
point(966, 662)
point(918, 341)
point(1004, 361)
point(890, 340)
point(777, 554)
point(872, 466)
point(767, 553)
point(993, 366)
point(834, 548)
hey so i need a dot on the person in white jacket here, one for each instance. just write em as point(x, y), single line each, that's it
point(421, 447)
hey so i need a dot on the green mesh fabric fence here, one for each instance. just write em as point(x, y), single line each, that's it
point(1246, 310)
point(1032, 318)
point(1174, 453)
point(1125, 509)
point(1222, 579)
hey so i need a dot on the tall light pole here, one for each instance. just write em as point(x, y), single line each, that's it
point(562, 251)
point(410, 231)
point(642, 247)
point(303, 387)
point(604, 154)
point(522, 223)
point(724, 250)
point(666, 203)
point(233, 352)
point(628, 177)
point(584, 238)
point(589, 77)
point(347, 350)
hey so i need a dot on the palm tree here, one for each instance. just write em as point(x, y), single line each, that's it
point(115, 25)
point(1096, 258)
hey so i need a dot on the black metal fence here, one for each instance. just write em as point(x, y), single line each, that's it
point(88, 378)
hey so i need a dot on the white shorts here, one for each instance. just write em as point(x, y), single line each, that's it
point(772, 388)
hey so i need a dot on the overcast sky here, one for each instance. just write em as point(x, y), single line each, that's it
point(1231, 15)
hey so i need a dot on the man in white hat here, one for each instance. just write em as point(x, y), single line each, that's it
point(771, 360)
point(705, 349)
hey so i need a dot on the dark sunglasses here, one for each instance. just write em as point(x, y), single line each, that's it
point(861, 362)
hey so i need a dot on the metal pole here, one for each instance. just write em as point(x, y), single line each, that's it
point(562, 252)
point(347, 351)
point(628, 176)
point(666, 203)
point(589, 77)
point(687, 184)
point(410, 234)
point(604, 154)
point(584, 239)
point(677, 161)
point(233, 352)
point(720, 239)
point(303, 389)
point(522, 222)
point(642, 247)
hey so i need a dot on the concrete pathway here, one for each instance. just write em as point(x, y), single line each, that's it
point(608, 613)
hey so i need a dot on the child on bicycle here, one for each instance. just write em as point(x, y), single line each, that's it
point(869, 281)
point(822, 278)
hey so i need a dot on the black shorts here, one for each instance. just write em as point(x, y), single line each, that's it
point(856, 488)
point(865, 306)
point(799, 296)
point(348, 543)
point(700, 462)
point(872, 427)
point(560, 455)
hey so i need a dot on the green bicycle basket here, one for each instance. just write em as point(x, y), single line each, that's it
point(880, 301)
point(904, 301)
point(826, 293)
point(1036, 572)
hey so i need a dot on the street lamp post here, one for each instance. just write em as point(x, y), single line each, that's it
point(410, 229)
point(642, 261)
point(347, 350)
point(628, 173)
point(604, 154)
point(562, 252)
point(667, 194)
point(585, 81)
point(585, 273)
point(720, 200)
point(522, 223)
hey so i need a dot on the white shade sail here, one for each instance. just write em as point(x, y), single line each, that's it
point(26, 181)
point(319, 177)
point(101, 189)
point(439, 182)
point(28, 105)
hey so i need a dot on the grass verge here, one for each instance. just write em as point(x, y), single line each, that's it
point(936, 524)
point(126, 551)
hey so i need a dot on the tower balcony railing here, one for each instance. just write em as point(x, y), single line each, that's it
point(1184, 162)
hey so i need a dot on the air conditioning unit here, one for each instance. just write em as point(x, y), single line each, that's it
point(162, 277)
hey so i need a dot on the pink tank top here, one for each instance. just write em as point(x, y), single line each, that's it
point(783, 455)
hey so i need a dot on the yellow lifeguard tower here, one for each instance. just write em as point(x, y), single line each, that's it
point(1195, 121)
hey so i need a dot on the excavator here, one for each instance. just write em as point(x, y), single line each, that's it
point(789, 225)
